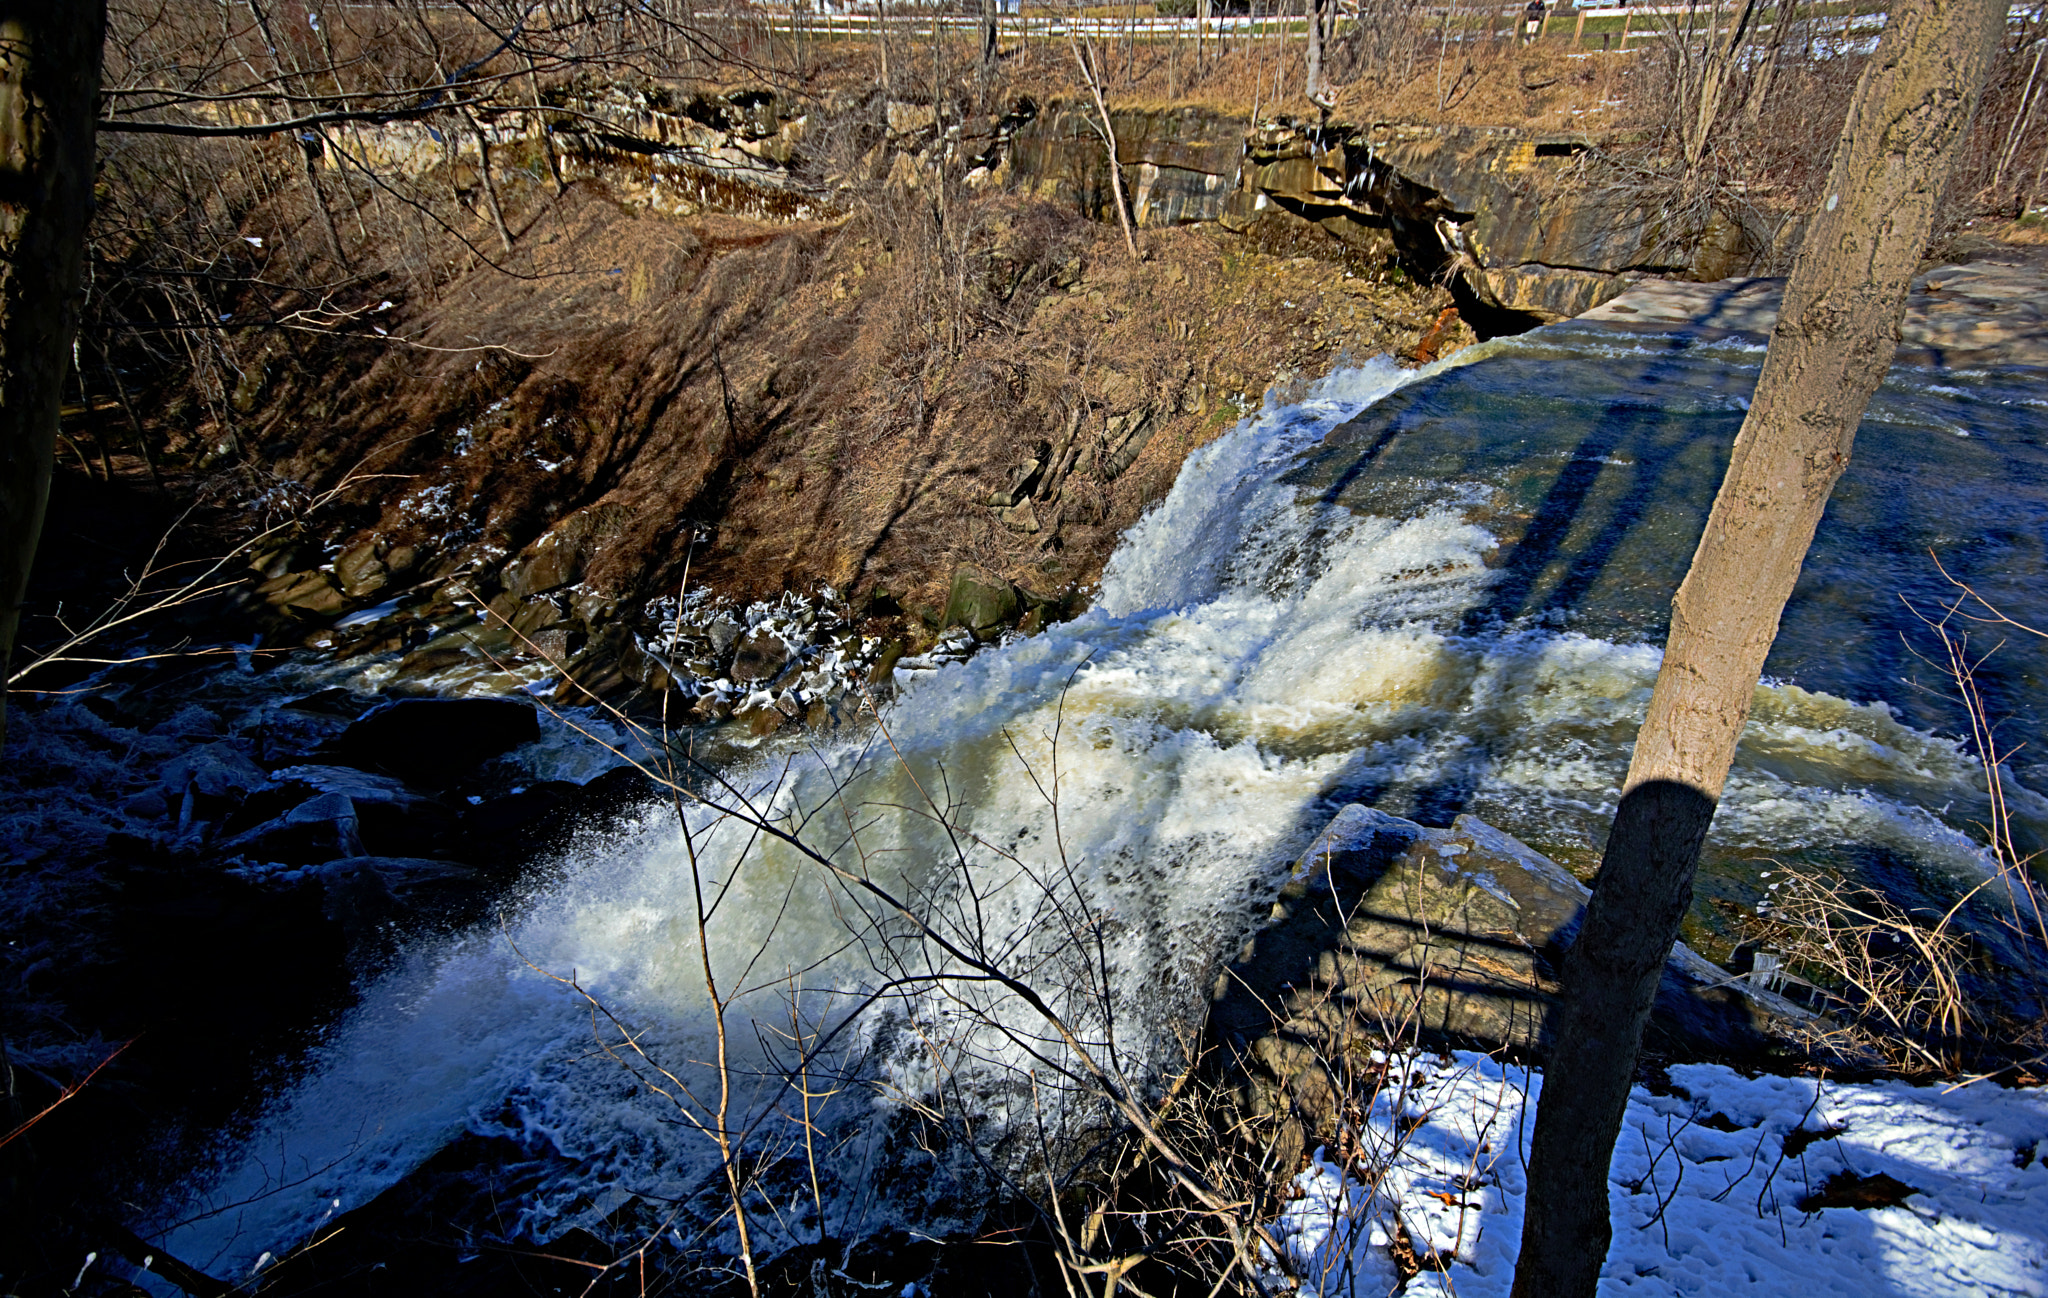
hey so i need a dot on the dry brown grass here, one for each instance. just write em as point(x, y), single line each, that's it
point(836, 400)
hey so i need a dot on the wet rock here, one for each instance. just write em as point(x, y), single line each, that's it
point(980, 602)
point(303, 594)
point(761, 719)
point(537, 615)
point(373, 899)
point(361, 571)
point(319, 829)
point(434, 742)
point(556, 644)
point(760, 657)
point(619, 791)
point(725, 632)
point(610, 665)
point(1455, 935)
point(216, 770)
point(503, 831)
point(558, 559)
point(335, 702)
point(552, 563)
point(289, 552)
point(390, 815)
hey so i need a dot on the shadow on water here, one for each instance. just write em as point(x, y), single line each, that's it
point(1636, 456)
point(1593, 456)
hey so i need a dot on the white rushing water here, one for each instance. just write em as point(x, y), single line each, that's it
point(1252, 654)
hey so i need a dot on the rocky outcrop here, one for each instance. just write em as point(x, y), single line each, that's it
point(1388, 932)
point(1986, 311)
point(1498, 209)
point(1503, 211)
point(435, 741)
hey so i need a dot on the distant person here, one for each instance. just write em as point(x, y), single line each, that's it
point(1532, 21)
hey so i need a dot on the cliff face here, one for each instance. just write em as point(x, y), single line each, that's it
point(1501, 211)
point(774, 348)
point(1507, 216)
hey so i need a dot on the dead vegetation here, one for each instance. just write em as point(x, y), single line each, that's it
point(837, 401)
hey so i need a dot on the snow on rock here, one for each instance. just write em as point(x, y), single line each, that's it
point(1707, 1194)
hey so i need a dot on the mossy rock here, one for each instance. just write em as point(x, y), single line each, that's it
point(981, 602)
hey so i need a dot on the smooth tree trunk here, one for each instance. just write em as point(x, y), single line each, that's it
point(1106, 128)
point(1315, 9)
point(49, 91)
point(1723, 53)
point(1836, 335)
point(1766, 64)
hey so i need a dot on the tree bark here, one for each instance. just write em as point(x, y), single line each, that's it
point(1315, 10)
point(1090, 72)
point(1767, 64)
point(1722, 55)
point(1836, 335)
point(49, 91)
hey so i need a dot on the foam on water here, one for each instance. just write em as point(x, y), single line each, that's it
point(1254, 652)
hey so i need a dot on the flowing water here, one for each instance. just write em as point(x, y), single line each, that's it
point(1452, 603)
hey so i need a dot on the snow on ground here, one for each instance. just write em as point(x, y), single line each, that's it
point(1706, 1190)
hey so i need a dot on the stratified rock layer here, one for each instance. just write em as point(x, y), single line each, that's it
point(1390, 932)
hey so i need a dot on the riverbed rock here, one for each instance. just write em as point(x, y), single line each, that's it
point(391, 816)
point(1452, 937)
point(559, 558)
point(1992, 310)
point(361, 571)
point(303, 595)
point(375, 899)
point(321, 828)
point(760, 657)
point(434, 742)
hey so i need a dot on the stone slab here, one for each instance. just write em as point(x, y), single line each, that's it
point(1988, 311)
point(1391, 931)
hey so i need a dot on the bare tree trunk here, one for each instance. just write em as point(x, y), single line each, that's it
point(1767, 66)
point(1315, 48)
point(2022, 119)
point(1836, 335)
point(989, 35)
point(49, 92)
point(1720, 58)
point(1107, 129)
point(490, 184)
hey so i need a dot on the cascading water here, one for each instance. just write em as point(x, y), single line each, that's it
point(1450, 604)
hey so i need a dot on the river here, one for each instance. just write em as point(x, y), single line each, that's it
point(1436, 592)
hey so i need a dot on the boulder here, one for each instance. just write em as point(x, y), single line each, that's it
point(361, 571)
point(1452, 937)
point(216, 770)
point(760, 657)
point(303, 594)
point(979, 601)
point(1020, 518)
point(725, 632)
point(373, 898)
point(434, 742)
point(505, 831)
point(558, 559)
point(390, 816)
point(321, 828)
